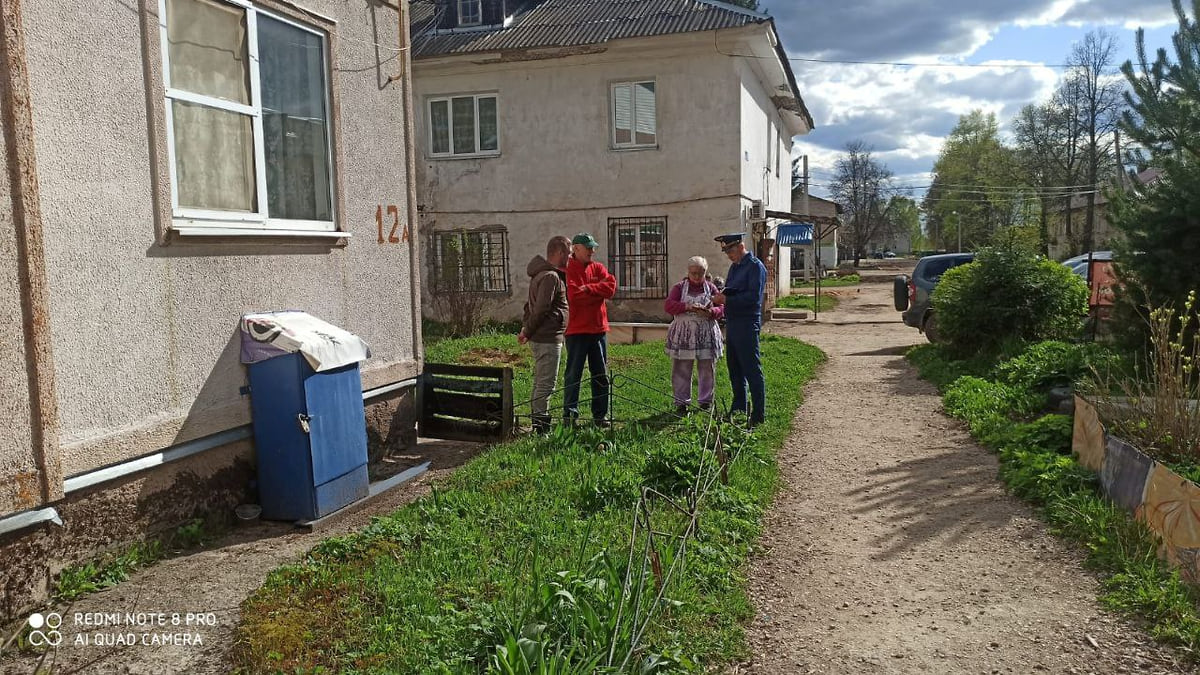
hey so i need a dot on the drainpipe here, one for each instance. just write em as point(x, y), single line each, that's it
point(177, 452)
point(16, 118)
point(29, 518)
point(410, 179)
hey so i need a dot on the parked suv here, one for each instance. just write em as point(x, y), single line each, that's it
point(911, 294)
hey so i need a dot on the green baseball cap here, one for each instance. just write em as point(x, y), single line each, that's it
point(585, 239)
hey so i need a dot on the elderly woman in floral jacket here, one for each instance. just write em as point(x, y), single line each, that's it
point(694, 335)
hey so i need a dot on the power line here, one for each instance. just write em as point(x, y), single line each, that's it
point(922, 65)
point(1003, 190)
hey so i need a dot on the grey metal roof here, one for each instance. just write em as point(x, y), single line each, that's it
point(577, 23)
point(570, 23)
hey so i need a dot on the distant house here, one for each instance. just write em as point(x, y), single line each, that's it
point(827, 212)
point(1067, 223)
point(654, 125)
point(167, 166)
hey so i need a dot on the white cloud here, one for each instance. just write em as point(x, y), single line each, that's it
point(905, 113)
point(1129, 15)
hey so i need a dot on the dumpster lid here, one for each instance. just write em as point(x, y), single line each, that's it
point(325, 346)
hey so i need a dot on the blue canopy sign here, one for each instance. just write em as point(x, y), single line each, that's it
point(794, 234)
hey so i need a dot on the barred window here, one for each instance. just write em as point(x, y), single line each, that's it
point(639, 256)
point(471, 261)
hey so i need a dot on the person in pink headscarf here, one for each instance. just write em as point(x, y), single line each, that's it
point(694, 336)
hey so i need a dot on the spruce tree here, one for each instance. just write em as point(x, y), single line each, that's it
point(1159, 260)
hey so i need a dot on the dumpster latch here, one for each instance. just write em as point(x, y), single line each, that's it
point(303, 420)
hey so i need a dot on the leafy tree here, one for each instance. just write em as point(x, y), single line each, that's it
point(863, 185)
point(748, 4)
point(1049, 158)
point(971, 194)
point(1157, 260)
point(905, 219)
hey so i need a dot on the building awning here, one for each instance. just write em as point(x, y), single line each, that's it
point(794, 234)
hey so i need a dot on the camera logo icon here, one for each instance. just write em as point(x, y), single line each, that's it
point(45, 631)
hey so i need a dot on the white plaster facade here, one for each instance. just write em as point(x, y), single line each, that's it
point(721, 143)
point(142, 322)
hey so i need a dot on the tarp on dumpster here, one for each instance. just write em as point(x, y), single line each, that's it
point(324, 345)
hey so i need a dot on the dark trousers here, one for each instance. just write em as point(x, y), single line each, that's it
point(745, 366)
point(594, 350)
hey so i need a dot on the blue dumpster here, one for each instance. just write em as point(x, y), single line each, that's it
point(309, 425)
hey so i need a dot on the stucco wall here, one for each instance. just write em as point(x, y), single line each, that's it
point(688, 234)
point(556, 172)
point(554, 117)
point(143, 323)
point(763, 136)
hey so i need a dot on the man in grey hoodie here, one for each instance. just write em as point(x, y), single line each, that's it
point(544, 323)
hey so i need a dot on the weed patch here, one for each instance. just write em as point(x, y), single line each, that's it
point(829, 282)
point(113, 568)
point(492, 356)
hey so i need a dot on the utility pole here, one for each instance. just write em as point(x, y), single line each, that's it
point(958, 227)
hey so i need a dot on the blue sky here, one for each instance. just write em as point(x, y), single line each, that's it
point(906, 112)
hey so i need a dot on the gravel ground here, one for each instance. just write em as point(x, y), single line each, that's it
point(892, 546)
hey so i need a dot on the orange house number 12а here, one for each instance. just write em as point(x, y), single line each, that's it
point(394, 212)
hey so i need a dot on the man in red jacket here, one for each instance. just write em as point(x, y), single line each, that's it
point(589, 284)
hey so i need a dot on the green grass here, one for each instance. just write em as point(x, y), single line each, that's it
point(1036, 465)
point(828, 302)
point(516, 562)
point(829, 282)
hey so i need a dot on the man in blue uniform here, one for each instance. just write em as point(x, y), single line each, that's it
point(742, 298)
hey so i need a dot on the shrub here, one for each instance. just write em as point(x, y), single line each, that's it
point(1049, 432)
point(1053, 364)
point(1008, 294)
point(972, 397)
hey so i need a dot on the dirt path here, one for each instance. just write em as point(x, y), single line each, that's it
point(892, 546)
point(212, 581)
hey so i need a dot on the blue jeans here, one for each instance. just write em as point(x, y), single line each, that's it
point(745, 366)
point(594, 350)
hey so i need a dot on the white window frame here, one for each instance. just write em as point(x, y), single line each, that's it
point(612, 112)
point(193, 221)
point(448, 99)
point(478, 9)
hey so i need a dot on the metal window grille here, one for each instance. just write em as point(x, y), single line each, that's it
point(639, 256)
point(473, 261)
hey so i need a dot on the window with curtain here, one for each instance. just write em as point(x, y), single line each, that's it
point(634, 114)
point(464, 125)
point(247, 116)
